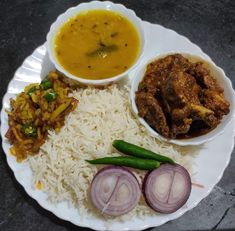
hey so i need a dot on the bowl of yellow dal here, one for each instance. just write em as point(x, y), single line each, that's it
point(96, 43)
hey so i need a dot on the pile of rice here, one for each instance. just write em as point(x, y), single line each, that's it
point(102, 116)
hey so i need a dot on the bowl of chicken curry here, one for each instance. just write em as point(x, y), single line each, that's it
point(182, 98)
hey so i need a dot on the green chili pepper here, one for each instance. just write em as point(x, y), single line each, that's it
point(133, 162)
point(134, 150)
point(46, 84)
point(29, 130)
point(102, 51)
point(32, 90)
point(50, 96)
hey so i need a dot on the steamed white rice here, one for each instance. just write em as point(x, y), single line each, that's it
point(102, 116)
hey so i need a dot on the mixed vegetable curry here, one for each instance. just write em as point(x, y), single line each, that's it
point(39, 108)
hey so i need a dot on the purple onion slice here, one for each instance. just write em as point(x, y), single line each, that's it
point(115, 190)
point(167, 188)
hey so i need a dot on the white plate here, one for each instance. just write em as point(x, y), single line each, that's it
point(210, 162)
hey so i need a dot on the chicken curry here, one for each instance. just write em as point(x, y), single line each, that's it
point(180, 99)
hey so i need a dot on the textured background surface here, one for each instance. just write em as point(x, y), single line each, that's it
point(23, 27)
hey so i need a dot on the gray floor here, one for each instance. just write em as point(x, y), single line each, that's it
point(23, 27)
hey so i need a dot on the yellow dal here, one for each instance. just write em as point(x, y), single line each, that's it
point(97, 44)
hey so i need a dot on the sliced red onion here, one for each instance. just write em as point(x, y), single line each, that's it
point(115, 190)
point(167, 188)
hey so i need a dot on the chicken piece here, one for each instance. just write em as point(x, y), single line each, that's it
point(199, 112)
point(150, 84)
point(203, 77)
point(179, 89)
point(212, 100)
point(181, 93)
point(157, 72)
point(152, 112)
point(180, 113)
point(167, 64)
point(181, 127)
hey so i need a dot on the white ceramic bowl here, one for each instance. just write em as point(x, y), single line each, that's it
point(106, 5)
point(222, 80)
